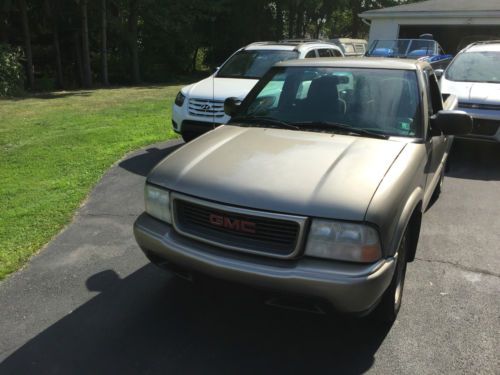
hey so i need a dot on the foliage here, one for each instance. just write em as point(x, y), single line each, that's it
point(164, 37)
point(11, 71)
point(55, 147)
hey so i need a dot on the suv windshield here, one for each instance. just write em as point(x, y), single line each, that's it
point(253, 63)
point(380, 101)
point(475, 67)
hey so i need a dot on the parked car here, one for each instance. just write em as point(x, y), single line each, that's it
point(423, 49)
point(308, 190)
point(198, 108)
point(351, 47)
point(474, 77)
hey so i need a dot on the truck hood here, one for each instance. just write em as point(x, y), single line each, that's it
point(295, 172)
point(220, 88)
point(473, 92)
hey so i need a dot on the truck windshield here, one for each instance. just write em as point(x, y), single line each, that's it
point(381, 101)
point(253, 64)
point(475, 67)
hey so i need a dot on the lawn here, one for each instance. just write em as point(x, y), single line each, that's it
point(53, 150)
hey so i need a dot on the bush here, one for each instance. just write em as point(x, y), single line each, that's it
point(11, 71)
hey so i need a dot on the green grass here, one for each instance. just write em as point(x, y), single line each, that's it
point(53, 150)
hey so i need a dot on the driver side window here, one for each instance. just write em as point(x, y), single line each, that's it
point(435, 100)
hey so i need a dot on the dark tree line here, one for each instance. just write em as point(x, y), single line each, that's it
point(81, 43)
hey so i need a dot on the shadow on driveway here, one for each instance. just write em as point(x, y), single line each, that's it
point(142, 163)
point(150, 322)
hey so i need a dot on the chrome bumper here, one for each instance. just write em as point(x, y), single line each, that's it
point(350, 288)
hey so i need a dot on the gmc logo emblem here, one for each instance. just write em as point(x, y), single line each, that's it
point(232, 224)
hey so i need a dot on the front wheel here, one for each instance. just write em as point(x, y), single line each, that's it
point(389, 306)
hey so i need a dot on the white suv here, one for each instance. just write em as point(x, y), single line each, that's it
point(199, 107)
point(474, 77)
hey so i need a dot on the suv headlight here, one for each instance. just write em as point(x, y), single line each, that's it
point(179, 99)
point(343, 241)
point(157, 202)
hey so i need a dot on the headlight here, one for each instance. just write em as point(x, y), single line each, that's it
point(343, 241)
point(157, 202)
point(179, 99)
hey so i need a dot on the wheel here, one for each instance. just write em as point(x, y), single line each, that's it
point(188, 136)
point(389, 306)
point(439, 186)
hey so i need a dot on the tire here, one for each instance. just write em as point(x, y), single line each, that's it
point(188, 136)
point(390, 304)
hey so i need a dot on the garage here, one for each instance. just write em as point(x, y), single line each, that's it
point(453, 23)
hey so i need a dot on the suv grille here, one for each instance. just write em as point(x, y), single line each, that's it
point(493, 107)
point(206, 108)
point(485, 127)
point(237, 230)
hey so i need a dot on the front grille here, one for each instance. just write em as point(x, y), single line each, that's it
point(492, 107)
point(236, 230)
point(359, 48)
point(485, 127)
point(206, 108)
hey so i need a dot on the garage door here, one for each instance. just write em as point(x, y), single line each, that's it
point(452, 38)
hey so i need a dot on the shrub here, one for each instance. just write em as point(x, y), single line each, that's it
point(11, 71)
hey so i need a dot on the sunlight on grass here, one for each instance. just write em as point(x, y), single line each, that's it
point(54, 148)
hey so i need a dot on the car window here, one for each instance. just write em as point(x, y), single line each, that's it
point(325, 52)
point(384, 101)
point(336, 53)
point(311, 54)
point(435, 101)
point(475, 67)
point(349, 48)
point(253, 63)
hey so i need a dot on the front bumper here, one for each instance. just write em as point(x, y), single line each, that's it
point(349, 288)
point(486, 125)
point(183, 122)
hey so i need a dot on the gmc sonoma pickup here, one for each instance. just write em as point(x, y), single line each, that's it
point(315, 188)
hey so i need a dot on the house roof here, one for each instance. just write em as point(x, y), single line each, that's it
point(440, 7)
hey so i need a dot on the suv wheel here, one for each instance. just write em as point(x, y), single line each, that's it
point(188, 136)
point(390, 304)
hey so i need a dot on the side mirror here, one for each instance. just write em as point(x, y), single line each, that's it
point(439, 73)
point(452, 122)
point(231, 106)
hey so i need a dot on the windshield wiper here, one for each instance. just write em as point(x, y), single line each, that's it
point(261, 120)
point(326, 125)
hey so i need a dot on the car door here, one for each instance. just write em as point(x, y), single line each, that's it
point(437, 143)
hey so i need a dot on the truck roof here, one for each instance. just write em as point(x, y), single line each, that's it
point(357, 62)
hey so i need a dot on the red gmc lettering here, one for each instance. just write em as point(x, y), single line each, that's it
point(233, 224)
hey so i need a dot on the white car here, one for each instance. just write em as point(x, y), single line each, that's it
point(199, 107)
point(474, 77)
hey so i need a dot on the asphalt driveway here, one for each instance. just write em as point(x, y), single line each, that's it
point(90, 302)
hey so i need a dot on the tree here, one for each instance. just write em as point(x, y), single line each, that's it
point(104, 47)
point(27, 44)
point(133, 18)
point(52, 15)
point(87, 71)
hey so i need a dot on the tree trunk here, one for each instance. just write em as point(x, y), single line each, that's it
point(57, 52)
point(78, 57)
point(104, 45)
point(355, 10)
point(27, 44)
point(195, 57)
point(87, 72)
point(134, 48)
point(291, 18)
point(279, 21)
point(4, 20)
